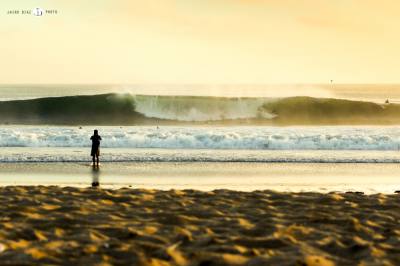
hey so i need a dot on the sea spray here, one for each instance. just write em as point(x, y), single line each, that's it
point(186, 108)
point(127, 109)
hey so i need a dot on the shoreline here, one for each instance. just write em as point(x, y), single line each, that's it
point(67, 225)
point(205, 176)
point(285, 177)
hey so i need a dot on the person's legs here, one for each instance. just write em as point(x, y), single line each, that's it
point(93, 160)
point(97, 156)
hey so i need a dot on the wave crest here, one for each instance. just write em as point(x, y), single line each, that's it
point(126, 109)
point(195, 109)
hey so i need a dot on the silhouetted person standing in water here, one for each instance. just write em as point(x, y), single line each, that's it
point(95, 147)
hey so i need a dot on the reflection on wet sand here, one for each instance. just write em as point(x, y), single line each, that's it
point(294, 177)
point(95, 176)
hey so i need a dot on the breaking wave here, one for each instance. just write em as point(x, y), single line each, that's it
point(187, 108)
point(126, 109)
point(216, 138)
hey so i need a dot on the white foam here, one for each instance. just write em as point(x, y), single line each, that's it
point(245, 138)
point(200, 109)
point(65, 154)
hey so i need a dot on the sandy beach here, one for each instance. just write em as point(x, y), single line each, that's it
point(89, 226)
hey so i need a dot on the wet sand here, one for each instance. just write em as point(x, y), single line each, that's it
point(207, 176)
point(88, 226)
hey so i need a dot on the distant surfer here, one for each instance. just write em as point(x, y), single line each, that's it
point(387, 101)
point(95, 153)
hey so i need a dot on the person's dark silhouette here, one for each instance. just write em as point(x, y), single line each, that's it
point(95, 153)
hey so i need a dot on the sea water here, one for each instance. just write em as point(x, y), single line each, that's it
point(330, 158)
point(251, 139)
point(251, 157)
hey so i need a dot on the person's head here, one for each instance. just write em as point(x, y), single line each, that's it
point(96, 132)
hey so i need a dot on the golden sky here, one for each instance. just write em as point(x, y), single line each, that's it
point(201, 41)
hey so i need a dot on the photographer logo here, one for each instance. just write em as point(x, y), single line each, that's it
point(38, 12)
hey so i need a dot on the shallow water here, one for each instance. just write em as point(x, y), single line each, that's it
point(293, 177)
point(114, 155)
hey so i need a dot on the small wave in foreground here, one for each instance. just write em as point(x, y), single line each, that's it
point(126, 155)
point(207, 137)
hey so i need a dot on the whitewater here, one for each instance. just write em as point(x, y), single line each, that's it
point(201, 108)
point(208, 137)
point(295, 144)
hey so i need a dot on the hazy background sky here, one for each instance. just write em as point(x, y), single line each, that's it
point(201, 41)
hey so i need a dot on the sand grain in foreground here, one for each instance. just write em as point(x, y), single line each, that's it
point(67, 226)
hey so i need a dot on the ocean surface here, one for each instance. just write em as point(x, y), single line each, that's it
point(363, 92)
point(199, 137)
point(203, 143)
point(217, 105)
point(321, 159)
